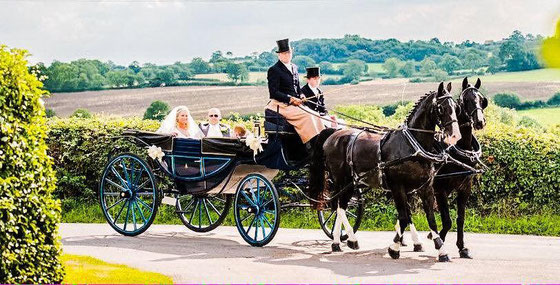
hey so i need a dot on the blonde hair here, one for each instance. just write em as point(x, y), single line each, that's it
point(179, 111)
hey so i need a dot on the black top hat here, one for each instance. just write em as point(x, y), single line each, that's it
point(313, 72)
point(283, 45)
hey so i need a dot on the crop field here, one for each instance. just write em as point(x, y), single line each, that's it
point(253, 77)
point(252, 99)
point(545, 116)
point(539, 75)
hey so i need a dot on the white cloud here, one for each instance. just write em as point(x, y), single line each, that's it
point(167, 31)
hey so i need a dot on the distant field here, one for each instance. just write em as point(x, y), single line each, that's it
point(377, 67)
point(539, 75)
point(253, 77)
point(252, 99)
point(545, 116)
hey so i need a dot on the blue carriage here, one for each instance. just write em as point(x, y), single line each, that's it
point(203, 178)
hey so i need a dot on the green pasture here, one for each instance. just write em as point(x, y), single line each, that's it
point(538, 75)
point(545, 116)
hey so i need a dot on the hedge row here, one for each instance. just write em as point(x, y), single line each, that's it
point(29, 242)
point(524, 173)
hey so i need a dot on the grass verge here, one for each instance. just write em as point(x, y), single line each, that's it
point(544, 224)
point(88, 270)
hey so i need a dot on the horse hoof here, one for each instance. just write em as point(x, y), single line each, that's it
point(443, 258)
point(336, 247)
point(402, 241)
point(464, 253)
point(394, 254)
point(353, 245)
point(418, 248)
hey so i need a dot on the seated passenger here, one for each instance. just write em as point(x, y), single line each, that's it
point(315, 100)
point(239, 131)
point(214, 128)
point(180, 124)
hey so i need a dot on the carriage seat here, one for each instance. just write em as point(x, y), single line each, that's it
point(276, 123)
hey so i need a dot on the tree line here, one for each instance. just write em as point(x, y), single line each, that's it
point(430, 58)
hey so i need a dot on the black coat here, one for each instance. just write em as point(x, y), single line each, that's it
point(281, 83)
point(318, 104)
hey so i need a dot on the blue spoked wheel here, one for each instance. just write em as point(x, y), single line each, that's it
point(128, 194)
point(257, 210)
point(354, 213)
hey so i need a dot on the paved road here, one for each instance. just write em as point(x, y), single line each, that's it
point(303, 256)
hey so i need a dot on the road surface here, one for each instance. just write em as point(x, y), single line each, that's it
point(303, 256)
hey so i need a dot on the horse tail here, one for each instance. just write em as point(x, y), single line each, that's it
point(317, 166)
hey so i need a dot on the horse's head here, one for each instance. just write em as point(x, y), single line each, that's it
point(473, 103)
point(445, 111)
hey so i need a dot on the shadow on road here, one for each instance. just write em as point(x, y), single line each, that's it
point(305, 253)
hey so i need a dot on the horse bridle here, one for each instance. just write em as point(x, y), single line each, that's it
point(438, 121)
point(470, 115)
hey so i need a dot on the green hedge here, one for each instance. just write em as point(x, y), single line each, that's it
point(524, 162)
point(29, 242)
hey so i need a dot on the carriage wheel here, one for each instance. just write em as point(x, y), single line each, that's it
point(257, 210)
point(203, 213)
point(128, 194)
point(354, 213)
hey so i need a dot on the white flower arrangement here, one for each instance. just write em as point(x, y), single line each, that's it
point(155, 152)
point(254, 143)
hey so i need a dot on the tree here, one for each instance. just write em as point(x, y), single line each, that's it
point(494, 64)
point(327, 67)
point(473, 60)
point(427, 66)
point(199, 66)
point(507, 100)
point(217, 56)
point(450, 63)
point(135, 66)
point(353, 69)
point(156, 111)
point(29, 215)
point(267, 58)
point(303, 62)
point(237, 72)
point(408, 68)
point(392, 66)
point(438, 75)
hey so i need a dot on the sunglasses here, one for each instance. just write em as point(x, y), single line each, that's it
point(215, 116)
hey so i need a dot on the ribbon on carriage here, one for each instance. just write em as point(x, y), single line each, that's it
point(155, 152)
point(254, 143)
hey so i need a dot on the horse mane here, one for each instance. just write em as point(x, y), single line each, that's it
point(417, 105)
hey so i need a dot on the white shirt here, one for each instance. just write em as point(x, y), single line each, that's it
point(214, 131)
point(289, 66)
point(314, 89)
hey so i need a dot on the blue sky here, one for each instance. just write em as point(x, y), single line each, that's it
point(168, 31)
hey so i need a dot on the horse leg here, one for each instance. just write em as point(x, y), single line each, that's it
point(399, 198)
point(337, 232)
point(415, 238)
point(428, 205)
point(352, 241)
point(443, 206)
point(462, 198)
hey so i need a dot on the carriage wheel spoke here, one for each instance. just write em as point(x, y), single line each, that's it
point(247, 198)
point(207, 213)
point(270, 212)
point(125, 173)
point(256, 228)
point(351, 214)
point(327, 220)
point(251, 224)
point(262, 226)
point(214, 208)
point(186, 209)
point(120, 212)
point(134, 216)
point(194, 212)
point(267, 202)
point(334, 223)
point(200, 214)
point(118, 176)
point(145, 205)
point(258, 192)
point(243, 220)
point(143, 184)
point(114, 184)
point(127, 213)
point(141, 213)
point(219, 199)
point(120, 200)
point(266, 220)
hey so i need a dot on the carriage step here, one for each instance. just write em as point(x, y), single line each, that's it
point(169, 201)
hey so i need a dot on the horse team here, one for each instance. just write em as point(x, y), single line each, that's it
point(405, 161)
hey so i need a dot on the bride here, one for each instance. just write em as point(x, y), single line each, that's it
point(179, 123)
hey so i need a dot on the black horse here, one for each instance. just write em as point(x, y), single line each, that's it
point(467, 150)
point(400, 160)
